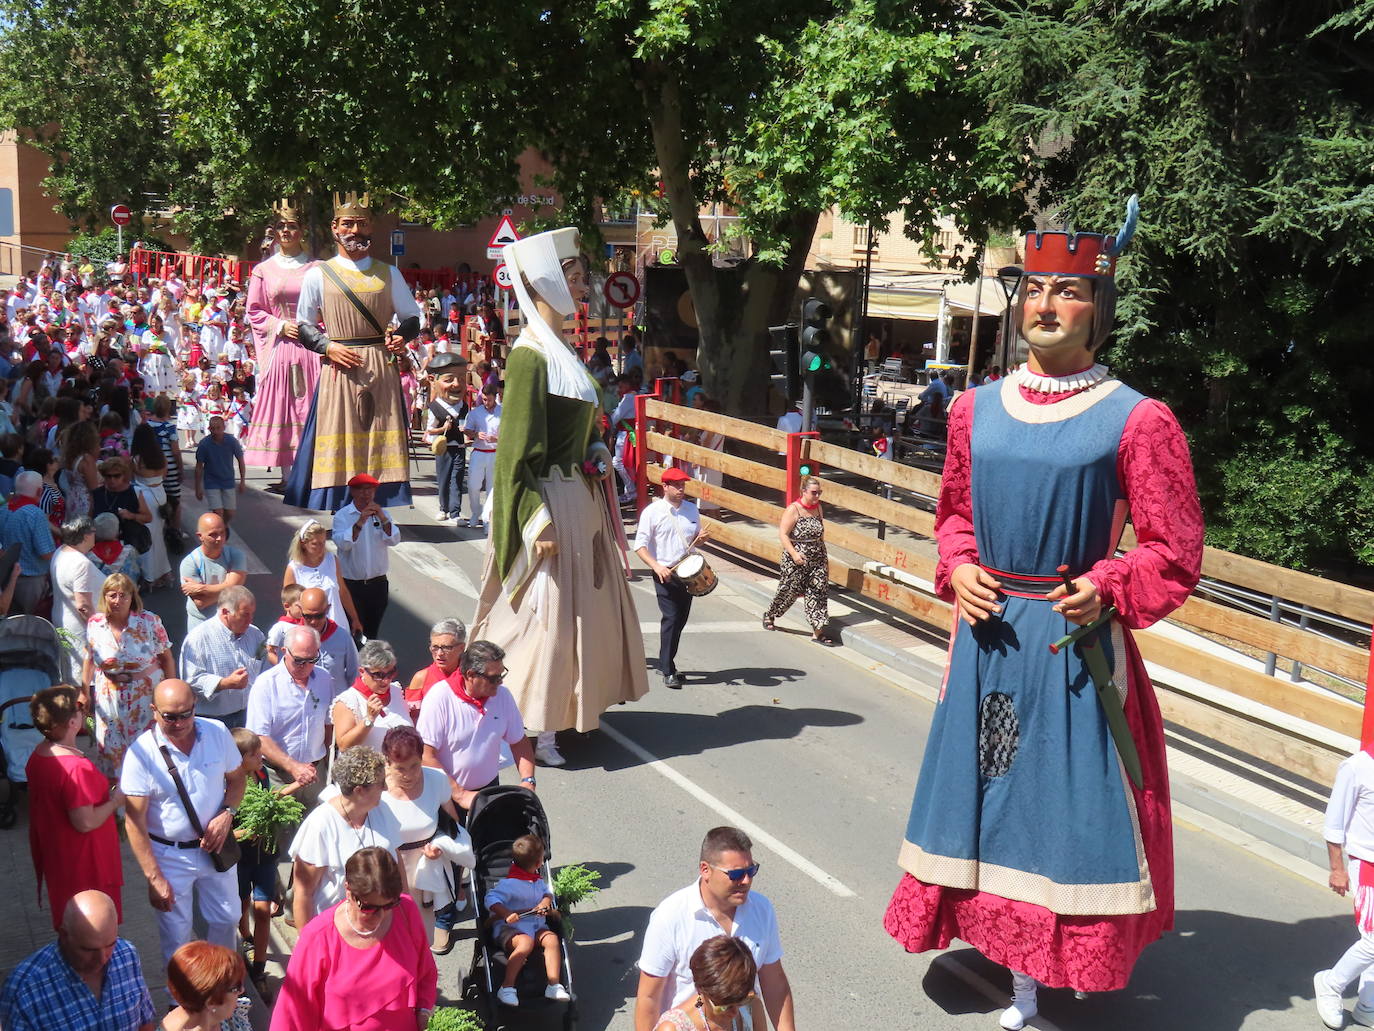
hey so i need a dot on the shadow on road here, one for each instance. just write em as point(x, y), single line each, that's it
point(670, 734)
point(1215, 971)
point(607, 944)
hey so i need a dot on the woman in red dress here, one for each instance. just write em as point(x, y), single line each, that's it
point(72, 833)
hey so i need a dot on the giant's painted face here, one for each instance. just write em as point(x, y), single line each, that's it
point(1057, 313)
point(354, 234)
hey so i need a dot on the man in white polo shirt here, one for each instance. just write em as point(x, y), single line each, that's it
point(162, 836)
point(719, 901)
point(289, 709)
point(464, 720)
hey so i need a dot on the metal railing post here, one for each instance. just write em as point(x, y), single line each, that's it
point(1271, 659)
point(1296, 675)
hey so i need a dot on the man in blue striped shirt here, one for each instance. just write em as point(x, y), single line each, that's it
point(90, 979)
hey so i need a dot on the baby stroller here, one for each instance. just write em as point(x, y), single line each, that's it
point(30, 656)
point(498, 816)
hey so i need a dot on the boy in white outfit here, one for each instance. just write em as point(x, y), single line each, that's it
point(1349, 834)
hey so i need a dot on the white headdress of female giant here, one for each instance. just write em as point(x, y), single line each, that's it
point(539, 260)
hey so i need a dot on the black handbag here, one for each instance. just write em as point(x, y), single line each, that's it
point(228, 855)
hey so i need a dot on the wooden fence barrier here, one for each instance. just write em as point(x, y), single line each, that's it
point(1207, 685)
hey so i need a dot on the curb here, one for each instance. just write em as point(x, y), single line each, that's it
point(1293, 839)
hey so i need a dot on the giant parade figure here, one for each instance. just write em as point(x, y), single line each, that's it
point(358, 419)
point(1040, 828)
point(554, 593)
point(287, 372)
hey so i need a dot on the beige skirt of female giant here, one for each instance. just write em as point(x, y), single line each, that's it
point(572, 645)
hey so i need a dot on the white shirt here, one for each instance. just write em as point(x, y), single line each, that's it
point(1350, 812)
point(366, 557)
point(479, 420)
point(624, 409)
point(213, 756)
point(394, 714)
point(312, 290)
point(326, 840)
point(681, 922)
point(72, 572)
point(467, 743)
point(292, 716)
point(667, 532)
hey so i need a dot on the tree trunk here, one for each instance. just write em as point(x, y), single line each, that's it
point(734, 306)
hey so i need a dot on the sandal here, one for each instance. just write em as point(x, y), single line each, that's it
point(768, 624)
point(826, 640)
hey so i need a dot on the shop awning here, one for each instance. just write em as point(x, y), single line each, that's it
point(898, 297)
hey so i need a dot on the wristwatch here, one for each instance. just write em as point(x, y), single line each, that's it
point(527, 780)
point(368, 722)
point(232, 810)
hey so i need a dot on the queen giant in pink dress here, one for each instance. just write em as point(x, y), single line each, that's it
point(287, 371)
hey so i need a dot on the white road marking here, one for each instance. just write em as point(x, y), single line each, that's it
point(195, 509)
point(430, 561)
point(731, 816)
point(736, 626)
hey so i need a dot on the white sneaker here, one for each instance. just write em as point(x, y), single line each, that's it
point(507, 997)
point(465, 522)
point(1330, 1006)
point(557, 993)
point(1023, 1002)
point(549, 754)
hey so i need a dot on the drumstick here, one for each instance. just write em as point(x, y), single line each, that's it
point(1063, 572)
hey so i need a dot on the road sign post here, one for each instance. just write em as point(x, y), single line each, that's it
point(120, 215)
point(505, 234)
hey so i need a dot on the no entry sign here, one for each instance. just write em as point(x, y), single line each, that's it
point(120, 215)
point(621, 290)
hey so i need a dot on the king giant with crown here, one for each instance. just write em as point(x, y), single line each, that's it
point(1040, 828)
point(357, 422)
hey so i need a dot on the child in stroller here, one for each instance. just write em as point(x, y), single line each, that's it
point(520, 904)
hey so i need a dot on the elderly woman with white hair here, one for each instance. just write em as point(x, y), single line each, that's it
point(349, 817)
point(554, 593)
point(374, 704)
point(311, 564)
point(75, 581)
point(447, 639)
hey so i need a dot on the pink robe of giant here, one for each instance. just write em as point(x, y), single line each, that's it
point(287, 372)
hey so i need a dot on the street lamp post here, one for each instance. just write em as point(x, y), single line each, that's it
point(1009, 276)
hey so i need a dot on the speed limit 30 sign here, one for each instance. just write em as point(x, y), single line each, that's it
point(501, 277)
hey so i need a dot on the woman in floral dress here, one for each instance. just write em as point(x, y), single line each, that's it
point(127, 655)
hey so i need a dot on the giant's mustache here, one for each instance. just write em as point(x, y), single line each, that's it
point(354, 241)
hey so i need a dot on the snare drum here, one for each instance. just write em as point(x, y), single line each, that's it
point(694, 573)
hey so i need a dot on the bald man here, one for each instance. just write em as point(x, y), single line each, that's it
point(172, 848)
point(211, 568)
point(338, 653)
point(90, 979)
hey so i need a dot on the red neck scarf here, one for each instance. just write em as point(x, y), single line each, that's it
point(19, 501)
point(521, 875)
point(360, 685)
point(433, 675)
point(460, 689)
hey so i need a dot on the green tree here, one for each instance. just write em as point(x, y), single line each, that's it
point(1247, 127)
point(780, 109)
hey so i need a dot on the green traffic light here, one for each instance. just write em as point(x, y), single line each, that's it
point(814, 365)
point(806, 470)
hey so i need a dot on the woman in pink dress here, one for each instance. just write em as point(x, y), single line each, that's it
point(288, 371)
point(72, 834)
point(363, 964)
point(127, 655)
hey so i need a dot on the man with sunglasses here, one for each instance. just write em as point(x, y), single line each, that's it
point(289, 709)
point(719, 900)
point(174, 858)
point(338, 653)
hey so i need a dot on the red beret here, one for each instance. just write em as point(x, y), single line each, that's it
point(675, 475)
point(364, 480)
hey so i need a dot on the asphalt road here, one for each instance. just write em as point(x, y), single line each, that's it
point(814, 752)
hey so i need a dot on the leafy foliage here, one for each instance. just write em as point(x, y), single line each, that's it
point(1245, 125)
point(573, 885)
point(103, 246)
point(264, 813)
point(451, 1018)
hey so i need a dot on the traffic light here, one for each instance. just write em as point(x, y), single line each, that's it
point(828, 384)
point(785, 354)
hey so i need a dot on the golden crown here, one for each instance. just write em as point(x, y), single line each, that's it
point(287, 210)
point(352, 203)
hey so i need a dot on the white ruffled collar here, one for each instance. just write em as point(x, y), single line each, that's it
point(1043, 384)
point(290, 261)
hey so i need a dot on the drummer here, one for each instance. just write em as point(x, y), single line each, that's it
point(669, 530)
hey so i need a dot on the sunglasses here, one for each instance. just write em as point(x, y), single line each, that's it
point(368, 910)
point(177, 717)
point(494, 678)
point(722, 1007)
point(314, 615)
point(304, 660)
point(381, 674)
point(739, 873)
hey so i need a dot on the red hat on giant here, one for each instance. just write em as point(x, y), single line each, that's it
point(364, 480)
point(1064, 253)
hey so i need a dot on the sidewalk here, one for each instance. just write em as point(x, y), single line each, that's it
point(1220, 792)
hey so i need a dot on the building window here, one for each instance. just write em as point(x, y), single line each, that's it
point(861, 234)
